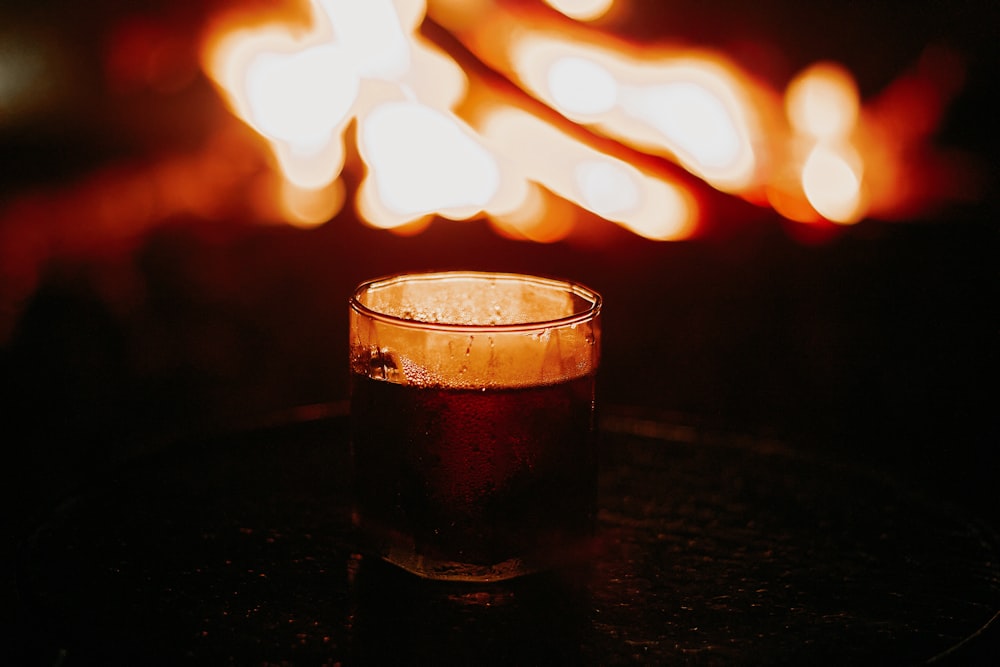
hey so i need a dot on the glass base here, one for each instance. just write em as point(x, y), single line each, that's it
point(400, 550)
point(445, 570)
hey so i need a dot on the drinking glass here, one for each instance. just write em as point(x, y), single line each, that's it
point(473, 422)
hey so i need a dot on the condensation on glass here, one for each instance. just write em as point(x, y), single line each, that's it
point(473, 426)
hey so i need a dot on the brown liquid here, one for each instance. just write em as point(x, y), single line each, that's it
point(472, 484)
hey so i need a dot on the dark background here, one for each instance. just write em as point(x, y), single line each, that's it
point(877, 344)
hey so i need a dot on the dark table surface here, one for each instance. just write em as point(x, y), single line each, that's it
point(714, 549)
point(800, 457)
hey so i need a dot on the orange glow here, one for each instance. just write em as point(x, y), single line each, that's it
point(581, 10)
point(362, 61)
point(428, 148)
point(422, 161)
point(601, 184)
point(823, 108)
point(304, 207)
point(822, 102)
point(684, 106)
point(301, 90)
point(832, 182)
point(514, 112)
point(541, 217)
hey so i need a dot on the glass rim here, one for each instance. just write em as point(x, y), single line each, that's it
point(592, 297)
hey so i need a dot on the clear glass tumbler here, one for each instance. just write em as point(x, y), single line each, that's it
point(472, 422)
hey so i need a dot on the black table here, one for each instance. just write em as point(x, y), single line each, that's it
point(715, 548)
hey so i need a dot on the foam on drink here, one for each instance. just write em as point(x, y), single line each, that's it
point(495, 332)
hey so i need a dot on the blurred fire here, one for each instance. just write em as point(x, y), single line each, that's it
point(436, 138)
point(525, 114)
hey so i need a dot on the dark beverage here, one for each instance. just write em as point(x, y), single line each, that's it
point(473, 421)
point(472, 483)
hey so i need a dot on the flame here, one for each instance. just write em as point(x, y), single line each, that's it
point(300, 91)
point(367, 64)
point(430, 145)
point(823, 107)
point(599, 183)
point(685, 107)
point(823, 102)
point(832, 182)
point(498, 109)
point(310, 207)
point(422, 161)
point(581, 10)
